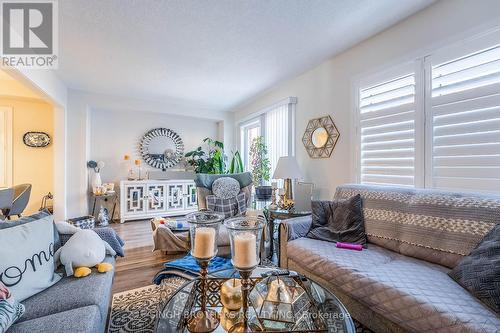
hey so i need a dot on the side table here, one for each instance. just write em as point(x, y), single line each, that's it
point(108, 196)
point(280, 214)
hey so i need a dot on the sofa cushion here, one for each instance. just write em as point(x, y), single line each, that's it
point(340, 220)
point(27, 257)
point(70, 293)
point(412, 293)
point(440, 227)
point(479, 273)
point(86, 319)
point(334, 264)
point(421, 297)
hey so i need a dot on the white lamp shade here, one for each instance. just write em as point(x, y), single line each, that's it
point(287, 168)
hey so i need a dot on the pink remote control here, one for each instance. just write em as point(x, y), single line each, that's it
point(350, 246)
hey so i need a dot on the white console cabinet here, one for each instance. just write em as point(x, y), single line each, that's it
point(149, 198)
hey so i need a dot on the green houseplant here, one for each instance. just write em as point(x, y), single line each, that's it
point(211, 159)
point(261, 168)
point(208, 159)
point(236, 165)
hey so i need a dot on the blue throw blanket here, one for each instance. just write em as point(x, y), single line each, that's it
point(188, 267)
point(108, 235)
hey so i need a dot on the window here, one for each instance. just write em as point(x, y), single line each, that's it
point(387, 131)
point(465, 122)
point(276, 125)
point(434, 122)
point(249, 132)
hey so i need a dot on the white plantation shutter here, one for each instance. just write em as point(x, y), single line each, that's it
point(464, 126)
point(387, 121)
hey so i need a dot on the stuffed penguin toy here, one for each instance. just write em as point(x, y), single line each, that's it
point(85, 249)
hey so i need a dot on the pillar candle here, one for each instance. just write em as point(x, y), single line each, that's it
point(204, 242)
point(245, 250)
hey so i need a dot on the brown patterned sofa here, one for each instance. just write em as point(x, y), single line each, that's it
point(400, 283)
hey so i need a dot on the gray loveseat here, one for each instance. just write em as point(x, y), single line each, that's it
point(400, 282)
point(70, 305)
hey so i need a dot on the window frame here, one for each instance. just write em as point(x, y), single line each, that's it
point(244, 129)
point(259, 118)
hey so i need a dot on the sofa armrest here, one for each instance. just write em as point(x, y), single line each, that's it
point(289, 230)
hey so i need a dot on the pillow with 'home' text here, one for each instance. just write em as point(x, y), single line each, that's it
point(27, 252)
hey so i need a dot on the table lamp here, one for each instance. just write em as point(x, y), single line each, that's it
point(287, 169)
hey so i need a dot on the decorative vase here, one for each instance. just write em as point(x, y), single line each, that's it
point(263, 192)
point(96, 180)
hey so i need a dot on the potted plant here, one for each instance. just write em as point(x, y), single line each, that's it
point(261, 168)
point(209, 160)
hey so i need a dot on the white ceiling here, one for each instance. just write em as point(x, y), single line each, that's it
point(211, 54)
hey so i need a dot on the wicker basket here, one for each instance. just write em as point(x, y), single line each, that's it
point(83, 222)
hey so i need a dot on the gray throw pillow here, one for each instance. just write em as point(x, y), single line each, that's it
point(27, 258)
point(226, 188)
point(340, 220)
point(26, 219)
point(228, 207)
point(479, 272)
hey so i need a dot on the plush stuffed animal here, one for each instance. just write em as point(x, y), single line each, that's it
point(83, 250)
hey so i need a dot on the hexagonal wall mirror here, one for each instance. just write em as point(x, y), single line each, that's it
point(320, 137)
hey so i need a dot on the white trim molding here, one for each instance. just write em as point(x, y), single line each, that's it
point(6, 142)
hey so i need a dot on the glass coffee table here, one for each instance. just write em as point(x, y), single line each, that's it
point(331, 312)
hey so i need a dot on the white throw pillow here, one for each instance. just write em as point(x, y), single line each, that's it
point(225, 188)
point(27, 258)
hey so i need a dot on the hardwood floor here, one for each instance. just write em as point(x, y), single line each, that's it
point(140, 264)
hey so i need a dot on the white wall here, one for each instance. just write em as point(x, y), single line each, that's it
point(124, 120)
point(327, 88)
point(114, 134)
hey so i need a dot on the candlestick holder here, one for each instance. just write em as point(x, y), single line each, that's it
point(203, 230)
point(245, 235)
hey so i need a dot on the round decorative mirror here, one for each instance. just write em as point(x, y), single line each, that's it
point(319, 137)
point(161, 148)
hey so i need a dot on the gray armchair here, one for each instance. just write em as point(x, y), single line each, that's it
point(5, 202)
point(21, 196)
point(204, 186)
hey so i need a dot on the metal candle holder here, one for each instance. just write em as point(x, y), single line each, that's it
point(203, 250)
point(204, 320)
point(245, 238)
point(243, 326)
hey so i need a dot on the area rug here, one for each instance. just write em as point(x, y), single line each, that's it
point(136, 310)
